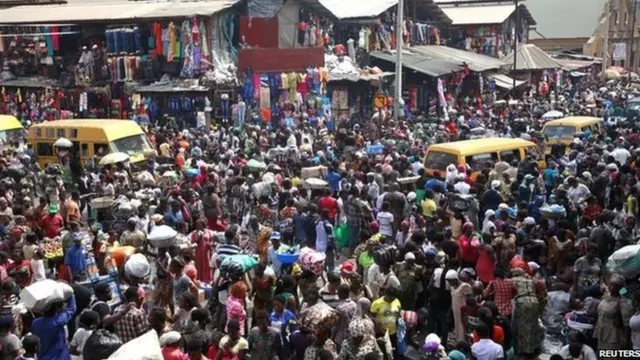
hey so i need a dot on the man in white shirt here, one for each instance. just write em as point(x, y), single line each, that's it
point(385, 219)
point(577, 191)
point(486, 349)
point(461, 187)
point(620, 154)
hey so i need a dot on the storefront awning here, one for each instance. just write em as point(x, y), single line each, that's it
point(484, 14)
point(475, 62)
point(354, 9)
point(503, 81)
point(114, 12)
point(420, 63)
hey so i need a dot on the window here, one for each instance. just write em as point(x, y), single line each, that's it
point(84, 150)
point(559, 132)
point(50, 133)
point(38, 132)
point(132, 145)
point(510, 155)
point(97, 148)
point(439, 160)
point(533, 152)
point(73, 133)
point(479, 161)
point(61, 133)
point(45, 149)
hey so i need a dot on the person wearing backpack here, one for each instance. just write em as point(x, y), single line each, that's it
point(325, 241)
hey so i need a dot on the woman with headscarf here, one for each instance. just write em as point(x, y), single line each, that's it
point(360, 342)
point(468, 246)
point(362, 314)
point(488, 227)
point(203, 238)
point(526, 330)
point(452, 174)
point(460, 289)
point(614, 313)
point(492, 198)
point(235, 305)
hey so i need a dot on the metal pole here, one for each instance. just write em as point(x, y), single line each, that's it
point(631, 50)
point(399, 46)
point(605, 42)
point(515, 42)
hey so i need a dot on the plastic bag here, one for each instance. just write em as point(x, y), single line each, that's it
point(247, 262)
point(384, 255)
point(137, 266)
point(148, 343)
point(625, 261)
point(318, 317)
point(37, 297)
point(342, 235)
point(100, 345)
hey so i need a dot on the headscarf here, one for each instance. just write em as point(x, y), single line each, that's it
point(452, 174)
point(487, 224)
point(363, 307)
point(357, 328)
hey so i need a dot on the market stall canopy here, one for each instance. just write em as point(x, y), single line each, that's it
point(484, 14)
point(571, 64)
point(113, 158)
point(504, 81)
point(531, 58)
point(475, 62)
point(420, 63)
point(353, 9)
point(110, 12)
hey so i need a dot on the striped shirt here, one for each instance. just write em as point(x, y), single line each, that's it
point(228, 249)
point(328, 297)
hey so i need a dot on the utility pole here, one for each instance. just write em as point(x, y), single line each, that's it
point(515, 42)
point(605, 42)
point(633, 48)
point(399, 46)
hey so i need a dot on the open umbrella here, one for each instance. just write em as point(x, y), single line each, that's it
point(113, 158)
point(63, 143)
point(553, 114)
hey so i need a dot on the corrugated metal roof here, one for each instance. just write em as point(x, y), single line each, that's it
point(47, 14)
point(420, 63)
point(354, 9)
point(484, 14)
point(476, 62)
point(572, 64)
point(504, 81)
point(531, 57)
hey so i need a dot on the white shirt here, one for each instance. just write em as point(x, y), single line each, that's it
point(621, 155)
point(80, 338)
point(579, 192)
point(386, 223)
point(486, 349)
point(462, 187)
point(436, 278)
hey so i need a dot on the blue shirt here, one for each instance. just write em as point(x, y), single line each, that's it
point(550, 176)
point(431, 184)
point(283, 321)
point(333, 178)
point(50, 330)
point(300, 224)
point(173, 220)
point(75, 259)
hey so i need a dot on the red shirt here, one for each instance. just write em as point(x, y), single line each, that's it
point(329, 203)
point(468, 252)
point(485, 267)
point(52, 225)
point(173, 353)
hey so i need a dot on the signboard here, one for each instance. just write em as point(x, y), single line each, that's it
point(491, 85)
point(380, 101)
point(619, 51)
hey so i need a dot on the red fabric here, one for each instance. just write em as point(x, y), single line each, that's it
point(173, 353)
point(498, 335)
point(485, 267)
point(503, 291)
point(55, 38)
point(468, 252)
point(157, 33)
point(52, 225)
point(203, 240)
point(215, 225)
point(329, 203)
point(518, 262)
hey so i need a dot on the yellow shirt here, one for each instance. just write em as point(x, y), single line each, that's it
point(387, 313)
point(165, 149)
point(296, 182)
point(428, 207)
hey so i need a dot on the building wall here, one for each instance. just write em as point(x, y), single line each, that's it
point(621, 22)
point(556, 44)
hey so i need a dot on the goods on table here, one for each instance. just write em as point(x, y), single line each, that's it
point(162, 236)
point(132, 349)
point(100, 345)
point(318, 317)
point(313, 172)
point(37, 297)
point(385, 255)
point(137, 266)
point(287, 255)
point(52, 250)
point(625, 261)
point(312, 260)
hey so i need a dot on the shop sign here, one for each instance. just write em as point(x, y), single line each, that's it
point(619, 51)
point(380, 101)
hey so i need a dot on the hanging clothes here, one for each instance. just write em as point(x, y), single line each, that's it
point(172, 42)
point(157, 34)
point(55, 38)
point(49, 42)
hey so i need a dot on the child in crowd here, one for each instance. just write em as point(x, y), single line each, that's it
point(30, 348)
point(89, 321)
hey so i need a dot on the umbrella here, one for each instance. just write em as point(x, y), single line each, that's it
point(63, 143)
point(553, 114)
point(113, 158)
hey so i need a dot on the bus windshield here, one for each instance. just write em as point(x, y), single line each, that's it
point(559, 132)
point(132, 145)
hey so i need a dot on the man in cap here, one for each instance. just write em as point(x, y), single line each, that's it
point(52, 223)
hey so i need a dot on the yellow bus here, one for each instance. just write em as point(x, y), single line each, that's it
point(10, 129)
point(90, 137)
point(562, 131)
point(476, 153)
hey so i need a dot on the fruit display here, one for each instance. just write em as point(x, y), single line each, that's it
point(52, 250)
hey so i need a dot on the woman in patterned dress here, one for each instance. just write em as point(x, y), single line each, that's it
point(525, 314)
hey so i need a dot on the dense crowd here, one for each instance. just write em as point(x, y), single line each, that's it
point(312, 241)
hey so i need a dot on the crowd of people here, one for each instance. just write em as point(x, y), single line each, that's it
point(495, 281)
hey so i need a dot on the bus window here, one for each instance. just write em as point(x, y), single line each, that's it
point(439, 160)
point(73, 133)
point(479, 161)
point(49, 132)
point(38, 132)
point(84, 150)
point(533, 152)
point(44, 149)
point(61, 133)
point(97, 149)
point(509, 156)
